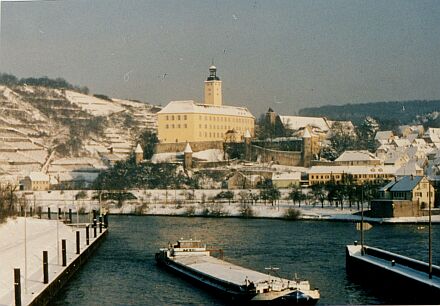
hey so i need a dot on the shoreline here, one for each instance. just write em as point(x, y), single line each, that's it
point(203, 204)
point(302, 218)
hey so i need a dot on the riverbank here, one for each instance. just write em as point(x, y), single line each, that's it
point(200, 203)
point(22, 243)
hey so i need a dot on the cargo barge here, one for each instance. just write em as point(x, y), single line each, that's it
point(192, 260)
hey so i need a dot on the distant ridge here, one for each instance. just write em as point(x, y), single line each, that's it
point(399, 112)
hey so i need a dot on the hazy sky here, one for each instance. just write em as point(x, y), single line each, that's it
point(281, 54)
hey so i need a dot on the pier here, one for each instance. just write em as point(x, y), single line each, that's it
point(410, 280)
point(42, 255)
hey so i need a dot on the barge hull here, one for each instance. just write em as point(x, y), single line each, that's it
point(231, 292)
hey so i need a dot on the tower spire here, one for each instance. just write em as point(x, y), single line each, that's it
point(213, 87)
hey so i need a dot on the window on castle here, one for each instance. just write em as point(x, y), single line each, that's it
point(166, 117)
point(172, 117)
point(178, 126)
point(184, 117)
point(178, 117)
point(166, 126)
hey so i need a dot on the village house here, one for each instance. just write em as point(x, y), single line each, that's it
point(406, 197)
point(357, 158)
point(36, 181)
point(286, 179)
point(239, 180)
point(358, 174)
point(384, 137)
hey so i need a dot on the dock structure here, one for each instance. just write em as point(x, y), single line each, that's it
point(36, 264)
point(407, 279)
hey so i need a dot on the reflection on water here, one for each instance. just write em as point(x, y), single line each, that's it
point(123, 271)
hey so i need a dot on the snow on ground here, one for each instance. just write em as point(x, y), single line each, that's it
point(93, 105)
point(165, 157)
point(211, 155)
point(197, 202)
point(41, 235)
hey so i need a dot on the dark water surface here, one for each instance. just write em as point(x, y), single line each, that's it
point(123, 270)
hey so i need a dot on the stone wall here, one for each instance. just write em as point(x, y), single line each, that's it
point(289, 158)
point(180, 146)
point(395, 209)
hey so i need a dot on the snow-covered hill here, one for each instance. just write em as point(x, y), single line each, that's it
point(47, 129)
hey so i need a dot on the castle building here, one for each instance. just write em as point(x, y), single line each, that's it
point(188, 121)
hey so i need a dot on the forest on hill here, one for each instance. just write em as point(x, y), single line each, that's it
point(388, 113)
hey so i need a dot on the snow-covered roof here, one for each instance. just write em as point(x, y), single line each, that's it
point(76, 161)
point(410, 168)
point(383, 135)
point(412, 137)
point(401, 142)
point(191, 107)
point(299, 122)
point(306, 133)
point(419, 142)
point(138, 149)
point(187, 148)
point(286, 176)
point(38, 176)
point(361, 155)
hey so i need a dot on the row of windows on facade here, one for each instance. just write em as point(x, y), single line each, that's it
point(211, 135)
point(354, 176)
point(420, 194)
point(312, 182)
point(216, 127)
point(210, 118)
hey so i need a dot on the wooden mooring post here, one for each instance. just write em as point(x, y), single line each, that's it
point(45, 268)
point(17, 287)
point(77, 243)
point(105, 220)
point(63, 252)
point(48, 213)
point(87, 235)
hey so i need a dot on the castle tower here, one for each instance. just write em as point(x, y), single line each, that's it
point(187, 157)
point(213, 88)
point(307, 148)
point(247, 145)
point(271, 116)
point(138, 154)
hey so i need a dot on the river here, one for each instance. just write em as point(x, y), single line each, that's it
point(123, 270)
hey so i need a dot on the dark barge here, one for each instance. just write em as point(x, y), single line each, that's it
point(193, 261)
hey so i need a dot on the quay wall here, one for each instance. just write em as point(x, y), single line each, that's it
point(54, 287)
point(405, 289)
